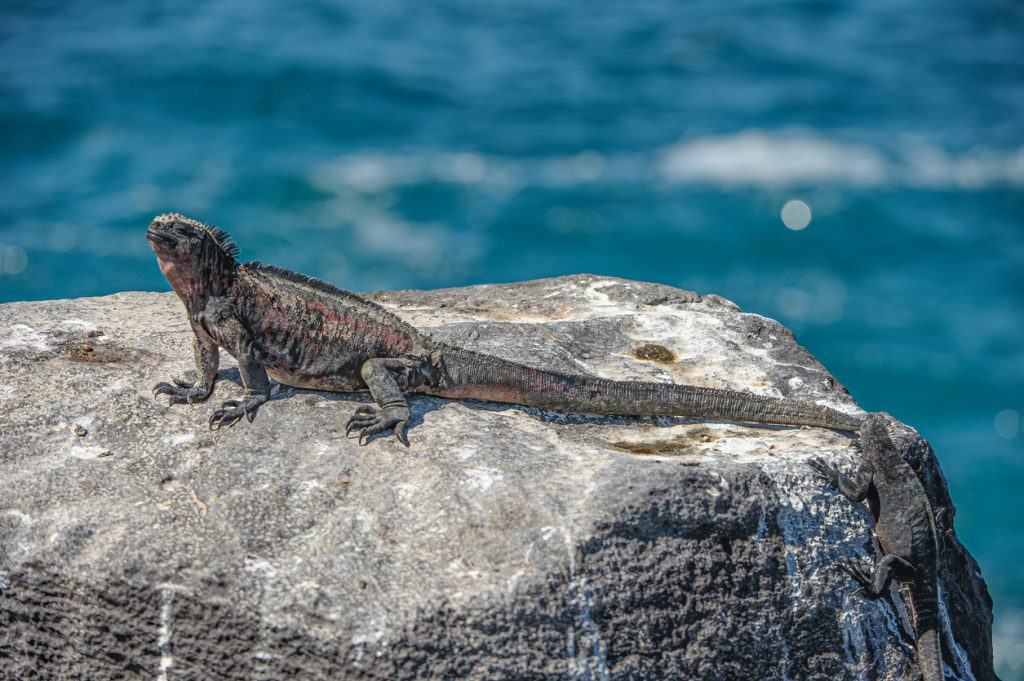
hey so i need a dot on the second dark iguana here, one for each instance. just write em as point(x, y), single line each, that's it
point(906, 530)
point(309, 334)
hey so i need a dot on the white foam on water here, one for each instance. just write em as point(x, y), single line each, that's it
point(763, 158)
point(771, 159)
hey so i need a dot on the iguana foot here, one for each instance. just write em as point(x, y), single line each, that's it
point(824, 470)
point(370, 420)
point(182, 392)
point(859, 575)
point(876, 583)
point(232, 411)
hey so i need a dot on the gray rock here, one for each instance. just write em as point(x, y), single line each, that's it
point(505, 543)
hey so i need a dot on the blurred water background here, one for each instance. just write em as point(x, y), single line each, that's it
point(855, 170)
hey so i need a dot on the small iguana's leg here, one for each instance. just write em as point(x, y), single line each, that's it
point(854, 488)
point(385, 378)
point(257, 390)
point(876, 584)
point(207, 357)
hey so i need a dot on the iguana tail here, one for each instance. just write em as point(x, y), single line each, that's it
point(468, 374)
point(926, 624)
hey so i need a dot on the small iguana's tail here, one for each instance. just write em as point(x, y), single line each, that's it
point(469, 374)
point(926, 624)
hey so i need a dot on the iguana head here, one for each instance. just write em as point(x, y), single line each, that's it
point(876, 434)
point(197, 259)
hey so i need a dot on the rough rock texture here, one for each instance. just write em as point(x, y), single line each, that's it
point(505, 543)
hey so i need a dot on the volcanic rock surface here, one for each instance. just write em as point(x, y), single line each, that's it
point(506, 542)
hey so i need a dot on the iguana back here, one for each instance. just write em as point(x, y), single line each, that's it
point(310, 334)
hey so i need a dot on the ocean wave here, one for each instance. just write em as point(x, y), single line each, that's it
point(373, 172)
point(746, 159)
point(766, 159)
point(787, 158)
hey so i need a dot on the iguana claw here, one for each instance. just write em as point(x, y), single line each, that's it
point(823, 469)
point(370, 420)
point(232, 411)
point(857, 573)
point(180, 393)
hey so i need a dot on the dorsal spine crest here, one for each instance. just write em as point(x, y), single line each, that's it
point(328, 289)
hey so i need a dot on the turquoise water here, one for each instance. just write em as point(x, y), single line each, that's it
point(420, 144)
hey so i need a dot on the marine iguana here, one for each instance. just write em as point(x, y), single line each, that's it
point(306, 333)
point(905, 528)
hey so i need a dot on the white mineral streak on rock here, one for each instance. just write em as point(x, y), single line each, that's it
point(372, 631)
point(597, 297)
point(163, 642)
point(963, 669)
point(24, 336)
point(587, 652)
point(854, 639)
point(88, 453)
point(259, 566)
point(16, 516)
point(457, 568)
point(481, 478)
point(78, 324)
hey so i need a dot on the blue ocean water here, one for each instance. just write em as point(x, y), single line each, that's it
point(424, 144)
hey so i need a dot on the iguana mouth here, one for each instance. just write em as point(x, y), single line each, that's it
point(161, 239)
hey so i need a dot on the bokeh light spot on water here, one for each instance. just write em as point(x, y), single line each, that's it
point(13, 259)
point(795, 303)
point(1015, 657)
point(828, 310)
point(1007, 423)
point(796, 214)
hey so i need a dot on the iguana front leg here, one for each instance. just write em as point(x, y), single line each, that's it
point(257, 389)
point(854, 488)
point(207, 357)
point(386, 379)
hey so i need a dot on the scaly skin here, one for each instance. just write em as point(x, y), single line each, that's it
point(308, 334)
point(905, 527)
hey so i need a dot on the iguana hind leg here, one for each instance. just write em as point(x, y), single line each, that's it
point(386, 379)
point(876, 583)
